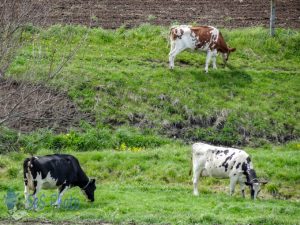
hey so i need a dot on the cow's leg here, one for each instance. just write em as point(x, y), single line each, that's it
point(62, 190)
point(37, 187)
point(242, 187)
point(26, 185)
point(196, 174)
point(171, 55)
point(233, 180)
point(26, 194)
point(208, 58)
point(175, 50)
point(26, 190)
point(214, 58)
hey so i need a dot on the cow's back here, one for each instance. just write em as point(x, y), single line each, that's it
point(219, 161)
point(57, 167)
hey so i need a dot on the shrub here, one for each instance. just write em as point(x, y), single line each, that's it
point(133, 138)
point(272, 189)
point(9, 140)
point(13, 172)
point(89, 138)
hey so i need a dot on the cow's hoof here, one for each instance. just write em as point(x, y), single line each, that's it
point(26, 206)
point(55, 205)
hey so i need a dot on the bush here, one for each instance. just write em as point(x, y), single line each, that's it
point(89, 138)
point(9, 140)
point(133, 138)
point(13, 172)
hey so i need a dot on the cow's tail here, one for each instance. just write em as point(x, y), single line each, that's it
point(169, 38)
point(191, 166)
point(26, 164)
point(191, 162)
point(172, 34)
point(172, 37)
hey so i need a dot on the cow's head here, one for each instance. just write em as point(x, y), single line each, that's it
point(89, 190)
point(226, 54)
point(255, 186)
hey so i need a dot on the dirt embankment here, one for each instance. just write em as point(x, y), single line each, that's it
point(28, 107)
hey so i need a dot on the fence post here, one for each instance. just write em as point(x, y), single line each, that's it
point(272, 18)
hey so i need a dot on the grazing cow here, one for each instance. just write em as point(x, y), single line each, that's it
point(55, 171)
point(203, 38)
point(222, 162)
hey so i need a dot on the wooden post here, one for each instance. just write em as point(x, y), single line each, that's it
point(272, 18)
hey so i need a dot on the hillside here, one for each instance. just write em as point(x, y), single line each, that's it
point(122, 79)
point(129, 120)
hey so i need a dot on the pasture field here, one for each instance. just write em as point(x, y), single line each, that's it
point(143, 118)
point(152, 186)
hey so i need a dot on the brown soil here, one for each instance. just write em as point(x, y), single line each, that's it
point(29, 107)
point(221, 13)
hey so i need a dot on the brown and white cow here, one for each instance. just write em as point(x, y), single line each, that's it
point(203, 38)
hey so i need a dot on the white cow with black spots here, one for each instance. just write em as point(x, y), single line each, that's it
point(223, 162)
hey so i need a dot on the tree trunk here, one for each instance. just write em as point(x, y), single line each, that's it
point(272, 18)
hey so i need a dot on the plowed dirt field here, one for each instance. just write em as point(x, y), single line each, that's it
point(221, 13)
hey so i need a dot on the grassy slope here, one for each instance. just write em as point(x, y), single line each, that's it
point(122, 77)
point(153, 186)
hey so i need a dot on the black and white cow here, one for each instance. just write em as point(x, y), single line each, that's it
point(223, 162)
point(55, 171)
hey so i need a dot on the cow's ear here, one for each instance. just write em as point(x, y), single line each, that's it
point(232, 49)
point(93, 181)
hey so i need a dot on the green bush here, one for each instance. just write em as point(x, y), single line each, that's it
point(133, 138)
point(273, 189)
point(9, 140)
point(89, 138)
point(13, 172)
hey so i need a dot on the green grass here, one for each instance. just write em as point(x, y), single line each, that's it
point(140, 106)
point(153, 186)
point(122, 77)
